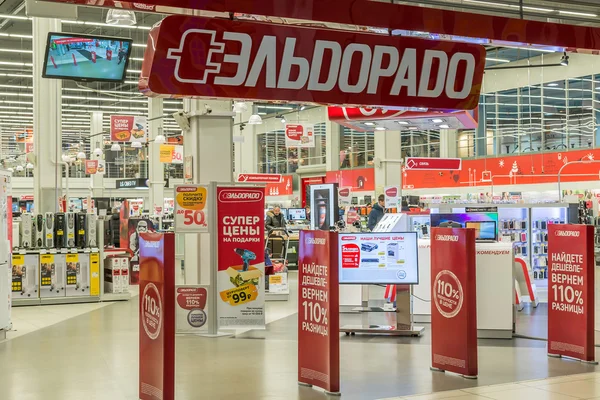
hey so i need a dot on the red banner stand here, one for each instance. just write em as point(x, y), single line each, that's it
point(571, 297)
point(318, 311)
point(453, 298)
point(157, 316)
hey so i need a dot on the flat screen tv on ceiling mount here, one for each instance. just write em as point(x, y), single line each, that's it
point(86, 58)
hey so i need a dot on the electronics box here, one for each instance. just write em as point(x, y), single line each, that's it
point(78, 274)
point(52, 275)
point(25, 276)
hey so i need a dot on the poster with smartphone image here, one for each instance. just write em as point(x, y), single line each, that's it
point(324, 206)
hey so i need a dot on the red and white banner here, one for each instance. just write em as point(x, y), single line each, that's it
point(283, 188)
point(241, 257)
point(128, 128)
point(157, 316)
point(191, 309)
point(345, 196)
point(202, 57)
point(392, 197)
point(29, 147)
point(571, 299)
point(91, 167)
point(300, 135)
point(259, 178)
point(359, 180)
point(318, 310)
point(454, 303)
point(437, 164)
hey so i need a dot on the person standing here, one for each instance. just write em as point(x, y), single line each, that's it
point(376, 213)
point(276, 220)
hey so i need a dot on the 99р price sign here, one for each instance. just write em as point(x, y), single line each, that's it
point(454, 308)
point(318, 311)
point(191, 211)
point(571, 291)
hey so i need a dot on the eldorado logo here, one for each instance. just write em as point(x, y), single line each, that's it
point(446, 238)
point(392, 192)
point(221, 58)
point(229, 196)
point(316, 241)
point(345, 192)
point(567, 233)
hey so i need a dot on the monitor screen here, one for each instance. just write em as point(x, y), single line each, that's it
point(484, 230)
point(378, 258)
point(86, 57)
point(297, 214)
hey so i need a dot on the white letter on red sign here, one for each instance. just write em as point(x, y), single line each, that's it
point(347, 63)
point(317, 63)
point(377, 71)
point(440, 81)
point(407, 74)
point(286, 67)
point(452, 70)
point(266, 55)
point(241, 60)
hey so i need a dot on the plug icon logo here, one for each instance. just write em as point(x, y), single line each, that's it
point(199, 48)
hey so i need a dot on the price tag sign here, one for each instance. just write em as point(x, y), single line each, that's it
point(239, 295)
point(191, 211)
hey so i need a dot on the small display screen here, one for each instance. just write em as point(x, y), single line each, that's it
point(297, 214)
point(86, 58)
point(484, 230)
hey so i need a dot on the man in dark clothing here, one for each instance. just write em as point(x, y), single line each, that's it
point(276, 220)
point(376, 212)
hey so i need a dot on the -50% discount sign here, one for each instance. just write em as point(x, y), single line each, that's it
point(191, 209)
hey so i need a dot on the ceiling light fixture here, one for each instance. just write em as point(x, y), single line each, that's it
point(160, 139)
point(380, 128)
point(369, 124)
point(564, 61)
point(115, 147)
point(19, 168)
point(81, 155)
point(98, 152)
point(403, 122)
point(437, 120)
point(580, 14)
point(120, 17)
point(136, 145)
point(240, 107)
point(255, 119)
point(444, 126)
point(29, 166)
point(554, 84)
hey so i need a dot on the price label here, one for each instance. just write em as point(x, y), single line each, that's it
point(240, 295)
point(191, 208)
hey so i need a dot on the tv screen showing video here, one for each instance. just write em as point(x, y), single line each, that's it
point(86, 58)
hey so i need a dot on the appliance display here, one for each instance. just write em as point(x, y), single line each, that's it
point(16, 233)
point(297, 214)
point(378, 258)
point(38, 231)
point(78, 274)
point(52, 275)
point(70, 231)
point(60, 226)
point(462, 218)
point(91, 237)
point(86, 57)
point(49, 230)
point(26, 230)
point(81, 230)
point(324, 201)
point(25, 276)
point(485, 231)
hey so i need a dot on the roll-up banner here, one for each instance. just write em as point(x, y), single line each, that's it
point(453, 297)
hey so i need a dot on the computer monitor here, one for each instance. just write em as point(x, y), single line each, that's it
point(297, 214)
point(485, 231)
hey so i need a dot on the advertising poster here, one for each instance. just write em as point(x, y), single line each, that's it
point(171, 154)
point(135, 227)
point(282, 188)
point(241, 257)
point(318, 311)
point(91, 167)
point(378, 258)
point(453, 298)
point(25, 276)
point(188, 165)
point(191, 309)
point(324, 211)
point(345, 197)
point(300, 135)
point(571, 296)
point(29, 147)
point(392, 197)
point(101, 168)
point(191, 212)
point(128, 128)
point(157, 317)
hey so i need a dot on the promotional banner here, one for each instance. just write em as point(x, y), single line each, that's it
point(318, 311)
point(191, 309)
point(241, 257)
point(453, 298)
point(300, 135)
point(91, 167)
point(325, 210)
point(436, 164)
point(283, 188)
point(29, 147)
point(188, 165)
point(196, 56)
point(101, 169)
point(345, 196)
point(170, 154)
point(392, 197)
point(191, 211)
point(157, 316)
point(361, 179)
point(128, 128)
point(259, 178)
point(571, 298)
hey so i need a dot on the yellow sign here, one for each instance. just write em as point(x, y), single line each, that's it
point(191, 197)
point(46, 258)
point(72, 257)
point(18, 259)
point(240, 295)
point(94, 274)
point(275, 279)
point(166, 153)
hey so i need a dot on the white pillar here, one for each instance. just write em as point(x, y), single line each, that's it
point(210, 143)
point(47, 124)
point(246, 151)
point(332, 140)
point(97, 141)
point(448, 140)
point(156, 174)
point(388, 171)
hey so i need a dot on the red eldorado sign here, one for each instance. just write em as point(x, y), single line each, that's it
point(453, 298)
point(157, 316)
point(318, 311)
point(571, 291)
point(436, 164)
point(202, 57)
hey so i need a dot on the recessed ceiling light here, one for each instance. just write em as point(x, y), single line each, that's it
point(380, 128)
point(412, 128)
point(445, 126)
point(437, 121)
point(402, 122)
point(553, 84)
point(369, 124)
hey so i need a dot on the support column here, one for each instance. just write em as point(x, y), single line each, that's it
point(156, 170)
point(246, 158)
point(332, 144)
point(47, 123)
point(97, 142)
point(388, 169)
point(210, 142)
point(448, 143)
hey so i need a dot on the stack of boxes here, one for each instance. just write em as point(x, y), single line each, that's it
point(116, 274)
